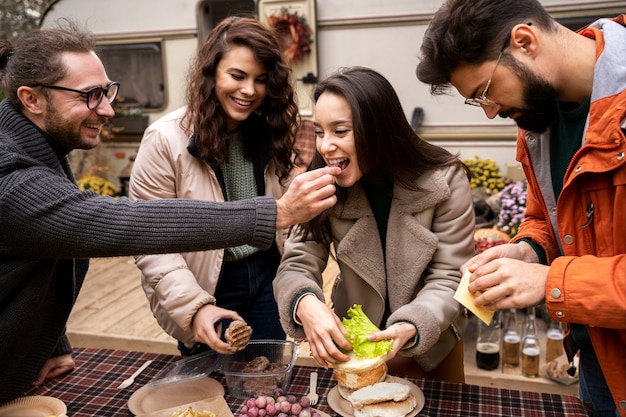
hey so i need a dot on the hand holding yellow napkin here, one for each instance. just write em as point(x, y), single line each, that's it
point(463, 296)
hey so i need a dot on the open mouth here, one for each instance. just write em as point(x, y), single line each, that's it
point(96, 126)
point(244, 103)
point(341, 163)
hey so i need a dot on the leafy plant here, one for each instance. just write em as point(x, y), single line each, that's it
point(128, 112)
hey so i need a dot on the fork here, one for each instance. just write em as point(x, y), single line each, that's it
point(129, 381)
point(312, 395)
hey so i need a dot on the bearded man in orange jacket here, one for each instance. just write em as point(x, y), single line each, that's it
point(566, 91)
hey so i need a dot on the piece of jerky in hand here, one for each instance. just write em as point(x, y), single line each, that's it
point(238, 335)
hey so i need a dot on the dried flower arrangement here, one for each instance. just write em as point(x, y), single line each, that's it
point(293, 32)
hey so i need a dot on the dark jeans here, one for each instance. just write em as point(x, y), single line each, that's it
point(245, 286)
point(593, 387)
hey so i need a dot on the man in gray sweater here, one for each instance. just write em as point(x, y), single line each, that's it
point(58, 98)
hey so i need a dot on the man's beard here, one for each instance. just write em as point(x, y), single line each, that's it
point(540, 102)
point(63, 130)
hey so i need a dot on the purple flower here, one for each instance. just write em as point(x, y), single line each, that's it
point(512, 207)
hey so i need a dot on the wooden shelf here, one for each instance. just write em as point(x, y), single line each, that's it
point(512, 378)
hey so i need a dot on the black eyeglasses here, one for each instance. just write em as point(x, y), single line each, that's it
point(93, 96)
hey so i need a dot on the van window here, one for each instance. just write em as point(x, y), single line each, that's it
point(138, 67)
point(211, 12)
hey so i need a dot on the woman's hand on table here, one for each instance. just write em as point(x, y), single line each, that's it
point(55, 366)
point(207, 328)
point(323, 330)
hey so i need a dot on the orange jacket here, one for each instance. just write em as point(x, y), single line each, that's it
point(584, 232)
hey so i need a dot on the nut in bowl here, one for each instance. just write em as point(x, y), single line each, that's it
point(260, 368)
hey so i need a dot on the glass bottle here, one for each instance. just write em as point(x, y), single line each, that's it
point(554, 340)
point(512, 339)
point(530, 346)
point(488, 343)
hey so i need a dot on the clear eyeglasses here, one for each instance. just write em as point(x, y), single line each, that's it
point(482, 100)
point(93, 96)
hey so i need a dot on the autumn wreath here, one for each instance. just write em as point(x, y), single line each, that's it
point(293, 32)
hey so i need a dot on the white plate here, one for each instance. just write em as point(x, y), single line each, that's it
point(343, 407)
point(216, 405)
point(34, 406)
point(321, 413)
point(148, 399)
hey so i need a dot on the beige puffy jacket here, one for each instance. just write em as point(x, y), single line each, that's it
point(178, 284)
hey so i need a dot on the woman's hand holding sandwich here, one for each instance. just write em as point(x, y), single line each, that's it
point(402, 335)
point(328, 335)
point(323, 330)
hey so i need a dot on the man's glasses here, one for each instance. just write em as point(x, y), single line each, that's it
point(482, 100)
point(93, 96)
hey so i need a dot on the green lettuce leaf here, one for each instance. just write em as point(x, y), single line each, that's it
point(359, 326)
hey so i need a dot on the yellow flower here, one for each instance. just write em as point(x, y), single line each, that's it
point(97, 184)
point(485, 173)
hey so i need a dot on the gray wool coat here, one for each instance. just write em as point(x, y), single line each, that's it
point(430, 235)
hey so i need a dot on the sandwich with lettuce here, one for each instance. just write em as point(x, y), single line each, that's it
point(367, 359)
point(363, 380)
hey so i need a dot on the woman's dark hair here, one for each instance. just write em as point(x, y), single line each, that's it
point(277, 115)
point(386, 145)
point(36, 57)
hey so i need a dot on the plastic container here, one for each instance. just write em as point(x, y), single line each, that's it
point(245, 383)
point(242, 382)
point(188, 369)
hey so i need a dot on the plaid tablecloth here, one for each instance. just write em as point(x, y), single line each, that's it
point(91, 390)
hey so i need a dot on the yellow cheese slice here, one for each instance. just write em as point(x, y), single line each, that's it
point(463, 296)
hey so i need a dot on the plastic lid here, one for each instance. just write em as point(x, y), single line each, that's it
point(193, 367)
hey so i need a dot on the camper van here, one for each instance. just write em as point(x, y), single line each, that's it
point(148, 45)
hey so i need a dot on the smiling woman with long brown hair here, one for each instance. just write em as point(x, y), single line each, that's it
point(234, 140)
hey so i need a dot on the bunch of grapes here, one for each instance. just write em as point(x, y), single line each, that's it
point(483, 244)
point(278, 405)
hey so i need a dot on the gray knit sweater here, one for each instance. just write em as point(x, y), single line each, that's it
point(49, 229)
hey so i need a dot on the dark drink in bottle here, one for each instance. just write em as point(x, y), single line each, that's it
point(488, 343)
point(487, 355)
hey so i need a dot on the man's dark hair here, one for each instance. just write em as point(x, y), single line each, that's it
point(36, 57)
point(470, 32)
